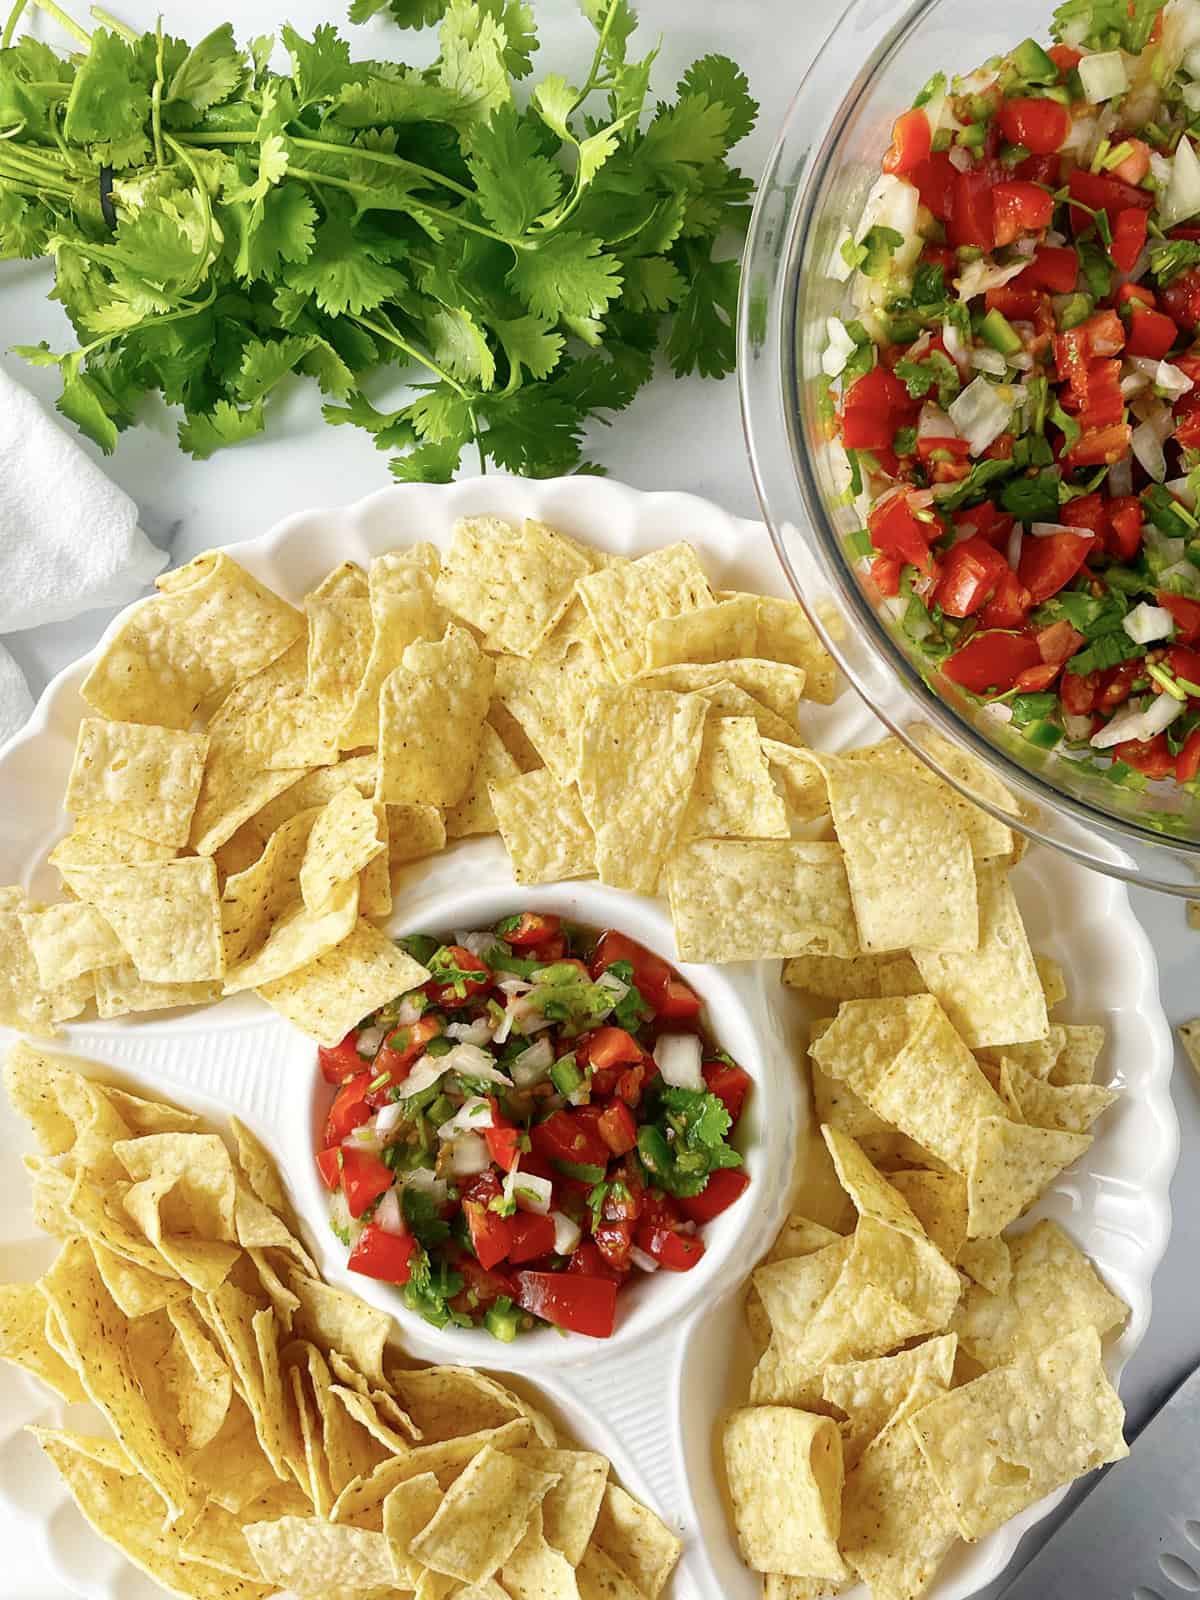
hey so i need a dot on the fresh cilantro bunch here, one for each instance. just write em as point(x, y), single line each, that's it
point(216, 226)
point(685, 1140)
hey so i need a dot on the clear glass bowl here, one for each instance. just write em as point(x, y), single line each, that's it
point(874, 62)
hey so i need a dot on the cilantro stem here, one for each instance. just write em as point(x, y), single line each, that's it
point(10, 27)
point(452, 217)
point(156, 102)
point(349, 151)
point(158, 319)
point(64, 21)
point(115, 25)
point(391, 337)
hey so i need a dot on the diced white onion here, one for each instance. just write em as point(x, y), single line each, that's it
point(1022, 360)
point(1180, 489)
point(1145, 623)
point(533, 1064)
point(609, 980)
point(982, 412)
point(1025, 246)
point(567, 1234)
point(960, 159)
point(641, 1260)
point(892, 203)
point(956, 347)
point(410, 1011)
point(528, 1191)
point(1135, 383)
point(979, 276)
point(1191, 96)
point(997, 711)
point(894, 606)
point(1172, 380)
point(511, 986)
point(678, 1057)
point(424, 1074)
point(1184, 570)
point(426, 1180)
point(471, 1117)
point(473, 1062)
point(389, 1117)
point(364, 1137)
point(1076, 727)
point(933, 423)
point(1148, 451)
point(1132, 722)
point(477, 943)
point(839, 349)
point(1164, 549)
point(478, 1032)
point(1044, 530)
point(388, 1214)
point(469, 1155)
point(369, 1041)
point(526, 1018)
point(1120, 476)
point(985, 360)
point(1182, 199)
point(1103, 76)
point(1016, 541)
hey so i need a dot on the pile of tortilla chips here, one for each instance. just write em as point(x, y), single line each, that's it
point(263, 1434)
point(923, 1376)
point(251, 771)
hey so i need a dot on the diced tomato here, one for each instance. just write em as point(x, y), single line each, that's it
point(1058, 642)
point(530, 1236)
point(971, 225)
point(552, 949)
point(614, 1240)
point(970, 575)
point(1116, 684)
point(677, 1002)
point(936, 179)
point(1187, 762)
point(1078, 692)
point(447, 994)
point(992, 661)
point(718, 1194)
point(1040, 125)
point(491, 1234)
point(1050, 562)
point(340, 1061)
point(1040, 169)
point(1065, 57)
point(1009, 605)
point(626, 1195)
point(1018, 301)
point(483, 1285)
point(1034, 679)
point(912, 139)
point(610, 1047)
point(617, 1128)
point(875, 405)
point(1124, 536)
point(503, 1138)
point(1099, 192)
point(1186, 614)
point(885, 575)
point(534, 928)
point(655, 978)
point(383, 1255)
point(1087, 512)
point(1151, 333)
point(582, 1305)
point(1187, 431)
point(1149, 756)
point(730, 1084)
point(364, 1179)
point(1134, 295)
point(677, 1252)
point(1128, 238)
point(1181, 298)
point(1104, 332)
point(1054, 267)
point(661, 1210)
point(349, 1109)
point(1018, 208)
point(632, 1082)
point(570, 1136)
point(329, 1165)
point(396, 1056)
point(1184, 663)
point(897, 531)
point(588, 1262)
point(1102, 446)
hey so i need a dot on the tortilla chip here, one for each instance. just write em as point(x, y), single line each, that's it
point(939, 1202)
point(142, 779)
point(236, 786)
point(336, 1320)
point(571, 1508)
point(328, 996)
point(1011, 1165)
point(712, 633)
point(786, 634)
point(898, 836)
point(1050, 974)
point(896, 1524)
point(990, 838)
point(311, 1557)
point(483, 1517)
point(24, 1004)
point(1189, 1038)
point(543, 827)
point(873, 1394)
point(122, 989)
point(638, 753)
point(414, 831)
point(849, 978)
point(546, 697)
point(212, 626)
point(776, 687)
point(254, 900)
point(340, 635)
point(992, 995)
point(784, 1470)
point(315, 789)
point(409, 1508)
point(445, 1402)
point(729, 700)
point(1076, 1061)
point(625, 597)
point(298, 938)
point(136, 1291)
point(599, 1578)
point(403, 610)
point(1011, 1437)
point(432, 712)
point(375, 881)
point(474, 812)
point(166, 914)
point(23, 1341)
point(536, 1570)
point(98, 844)
point(241, 850)
point(71, 1117)
point(446, 1460)
point(733, 796)
point(345, 836)
point(790, 1290)
point(274, 719)
point(735, 900)
point(1072, 1108)
point(513, 584)
point(637, 1540)
point(182, 1375)
point(987, 1262)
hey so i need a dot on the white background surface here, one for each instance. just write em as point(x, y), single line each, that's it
point(676, 435)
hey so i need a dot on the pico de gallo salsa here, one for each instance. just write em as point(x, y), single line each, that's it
point(545, 1120)
point(1018, 391)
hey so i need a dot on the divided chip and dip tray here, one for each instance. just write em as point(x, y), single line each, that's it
point(649, 1397)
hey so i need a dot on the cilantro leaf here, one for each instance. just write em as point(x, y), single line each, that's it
point(515, 183)
point(567, 274)
point(85, 404)
point(702, 338)
point(321, 67)
point(432, 462)
point(205, 432)
point(391, 430)
point(1111, 24)
point(722, 81)
point(206, 76)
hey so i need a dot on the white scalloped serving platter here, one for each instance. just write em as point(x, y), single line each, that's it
point(650, 1398)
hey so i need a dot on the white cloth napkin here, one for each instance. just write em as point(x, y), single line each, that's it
point(69, 538)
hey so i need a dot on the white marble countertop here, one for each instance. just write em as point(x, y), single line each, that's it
point(679, 435)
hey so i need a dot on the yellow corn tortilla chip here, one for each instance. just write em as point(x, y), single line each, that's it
point(445, 1402)
point(874, 1393)
point(72, 1117)
point(318, 1488)
point(570, 1510)
point(543, 827)
point(333, 1319)
point(98, 844)
point(1076, 1060)
point(896, 1524)
point(1189, 1038)
point(446, 1460)
point(721, 632)
point(340, 635)
point(346, 982)
point(409, 1508)
point(1072, 1108)
point(414, 831)
point(1010, 1167)
point(987, 1262)
point(637, 1540)
point(212, 626)
point(375, 879)
point(69, 940)
point(638, 753)
point(625, 597)
point(241, 850)
point(346, 582)
point(897, 835)
point(1052, 1290)
point(23, 1341)
point(235, 787)
point(316, 788)
point(786, 634)
point(536, 1570)
point(432, 710)
point(990, 838)
point(136, 1291)
point(733, 796)
point(784, 1470)
point(785, 1300)
point(24, 1004)
point(776, 687)
point(738, 900)
point(474, 813)
point(182, 1375)
point(166, 914)
point(513, 736)
point(599, 1578)
point(403, 609)
point(253, 901)
point(992, 995)
point(297, 939)
point(1006, 1440)
point(1035, 1056)
point(345, 836)
point(483, 1517)
point(143, 779)
point(274, 719)
point(122, 989)
point(310, 1556)
point(846, 978)
point(728, 700)
point(866, 1037)
point(513, 584)
point(216, 1538)
point(1050, 974)
point(546, 697)
point(938, 1200)
point(203, 1195)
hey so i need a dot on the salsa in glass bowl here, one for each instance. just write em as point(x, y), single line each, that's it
point(545, 1120)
